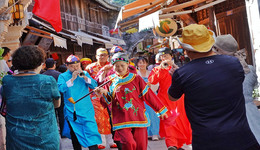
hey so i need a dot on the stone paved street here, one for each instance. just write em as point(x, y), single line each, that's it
point(152, 145)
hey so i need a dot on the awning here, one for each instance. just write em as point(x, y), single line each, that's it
point(187, 4)
point(113, 40)
point(108, 44)
point(82, 38)
point(136, 7)
point(166, 10)
point(58, 41)
point(149, 21)
point(108, 5)
point(135, 20)
point(139, 6)
point(181, 6)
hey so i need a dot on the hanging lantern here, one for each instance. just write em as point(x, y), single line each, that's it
point(18, 11)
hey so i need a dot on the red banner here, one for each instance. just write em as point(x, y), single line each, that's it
point(49, 10)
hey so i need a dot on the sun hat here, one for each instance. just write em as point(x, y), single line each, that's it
point(197, 38)
point(119, 57)
point(227, 43)
point(72, 59)
point(84, 61)
point(101, 51)
point(50, 62)
point(116, 49)
point(164, 50)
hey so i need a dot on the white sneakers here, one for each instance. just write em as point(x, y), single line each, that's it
point(155, 137)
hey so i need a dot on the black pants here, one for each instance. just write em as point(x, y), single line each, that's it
point(60, 115)
point(118, 143)
point(254, 147)
point(75, 142)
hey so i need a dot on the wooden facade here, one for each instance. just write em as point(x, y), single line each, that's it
point(231, 19)
point(85, 16)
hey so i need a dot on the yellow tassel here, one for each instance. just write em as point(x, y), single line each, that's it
point(71, 100)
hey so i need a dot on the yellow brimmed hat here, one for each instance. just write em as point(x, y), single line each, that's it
point(85, 61)
point(197, 38)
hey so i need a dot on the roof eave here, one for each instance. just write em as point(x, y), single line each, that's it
point(108, 5)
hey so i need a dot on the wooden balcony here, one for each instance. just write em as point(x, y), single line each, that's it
point(75, 23)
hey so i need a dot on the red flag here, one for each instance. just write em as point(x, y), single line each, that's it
point(49, 10)
point(113, 31)
point(55, 56)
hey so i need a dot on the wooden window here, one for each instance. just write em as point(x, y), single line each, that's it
point(73, 7)
point(67, 6)
point(79, 9)
point(86, 11)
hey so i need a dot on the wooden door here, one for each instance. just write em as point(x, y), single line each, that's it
point(236, 24)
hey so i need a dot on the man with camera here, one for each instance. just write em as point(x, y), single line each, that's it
point(75, 83)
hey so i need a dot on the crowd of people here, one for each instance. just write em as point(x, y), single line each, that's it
point(205, 104)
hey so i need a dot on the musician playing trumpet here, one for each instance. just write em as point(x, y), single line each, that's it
point(175, 135)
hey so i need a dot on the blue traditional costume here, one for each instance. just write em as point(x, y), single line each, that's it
point(153, 129)
point(85, 127)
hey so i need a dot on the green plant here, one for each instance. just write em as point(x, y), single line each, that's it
point(2, 74)
point(255, 93)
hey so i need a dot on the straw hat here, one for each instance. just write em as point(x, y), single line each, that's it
point(197, 38)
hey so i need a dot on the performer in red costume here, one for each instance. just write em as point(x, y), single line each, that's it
point(105, 72)
point(180, 133)
point(101, 113)
point(127, 93)
point(108, 69)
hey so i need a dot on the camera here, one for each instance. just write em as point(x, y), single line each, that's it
point(81, 74)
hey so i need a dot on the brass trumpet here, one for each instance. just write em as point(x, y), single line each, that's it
point(81, 75)
point(165, 64)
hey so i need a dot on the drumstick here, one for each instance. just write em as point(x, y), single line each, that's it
point(74, 102)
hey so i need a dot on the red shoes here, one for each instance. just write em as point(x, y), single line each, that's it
point(113, 146)
point(101, 147)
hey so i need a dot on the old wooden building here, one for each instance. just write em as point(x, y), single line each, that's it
point(13, 20)
point(85, 27)
point(222, 16)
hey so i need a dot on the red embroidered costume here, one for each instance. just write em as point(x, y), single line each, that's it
point(127, 95)
point(101, 114)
